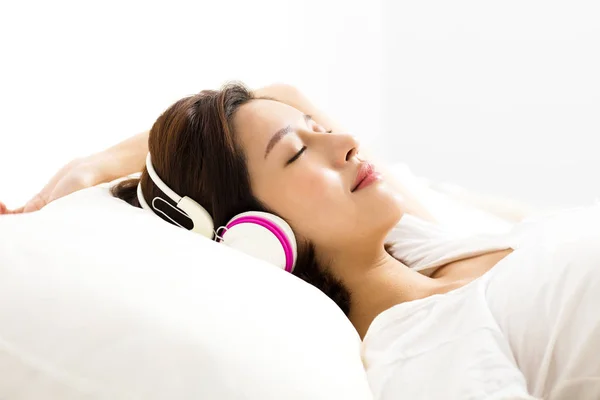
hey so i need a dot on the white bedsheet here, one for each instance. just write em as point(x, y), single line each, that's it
point(529, 328)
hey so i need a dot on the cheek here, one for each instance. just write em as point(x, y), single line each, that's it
point(313, 201)
point(301, 191)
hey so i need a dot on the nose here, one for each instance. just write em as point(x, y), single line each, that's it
point(344, 148)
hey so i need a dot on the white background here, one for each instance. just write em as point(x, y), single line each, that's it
point(500, 97)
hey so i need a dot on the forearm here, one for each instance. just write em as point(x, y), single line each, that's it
point(124, 158)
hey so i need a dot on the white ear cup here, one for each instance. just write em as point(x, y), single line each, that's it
point(256, 241)
point(283, 225)
point(263, 235)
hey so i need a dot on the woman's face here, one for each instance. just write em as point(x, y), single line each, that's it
point(308, 177)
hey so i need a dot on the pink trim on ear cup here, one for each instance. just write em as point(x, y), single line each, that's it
point(275, 230)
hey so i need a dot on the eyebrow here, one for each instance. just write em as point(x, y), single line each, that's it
point(280, 134)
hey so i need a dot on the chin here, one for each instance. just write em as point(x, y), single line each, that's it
point(386, 210)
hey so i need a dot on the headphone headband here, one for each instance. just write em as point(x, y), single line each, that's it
point(158, 182)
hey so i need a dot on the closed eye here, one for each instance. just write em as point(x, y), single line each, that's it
point(298, 154)
point(291, 160)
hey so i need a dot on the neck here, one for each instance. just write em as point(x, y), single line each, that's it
point(377, 282)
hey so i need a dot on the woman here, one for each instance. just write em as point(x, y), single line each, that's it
point(234, 151)
point(309, 172)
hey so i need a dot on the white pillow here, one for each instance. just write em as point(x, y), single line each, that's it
point(102, 300)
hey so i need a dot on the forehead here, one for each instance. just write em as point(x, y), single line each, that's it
point(256, 121)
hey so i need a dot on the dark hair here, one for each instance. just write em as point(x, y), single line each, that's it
point(194, 151)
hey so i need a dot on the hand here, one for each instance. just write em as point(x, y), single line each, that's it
point(78, 174)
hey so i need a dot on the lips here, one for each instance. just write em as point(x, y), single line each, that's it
point(365, 170)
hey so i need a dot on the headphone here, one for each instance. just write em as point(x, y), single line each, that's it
point(259, 234)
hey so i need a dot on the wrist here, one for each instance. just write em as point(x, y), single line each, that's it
point(103, 167)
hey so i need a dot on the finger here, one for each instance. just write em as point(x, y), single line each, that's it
point(34, 204)
point(5, 210)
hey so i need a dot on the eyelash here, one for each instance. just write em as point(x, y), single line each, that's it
point(291, 160)
point(298, 154)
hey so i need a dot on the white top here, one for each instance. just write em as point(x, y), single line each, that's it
point(528, 328)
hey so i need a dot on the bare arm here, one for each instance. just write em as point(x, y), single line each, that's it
point(124, 158)
point(292, 96)
point(128, 157)
point(120, 160)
